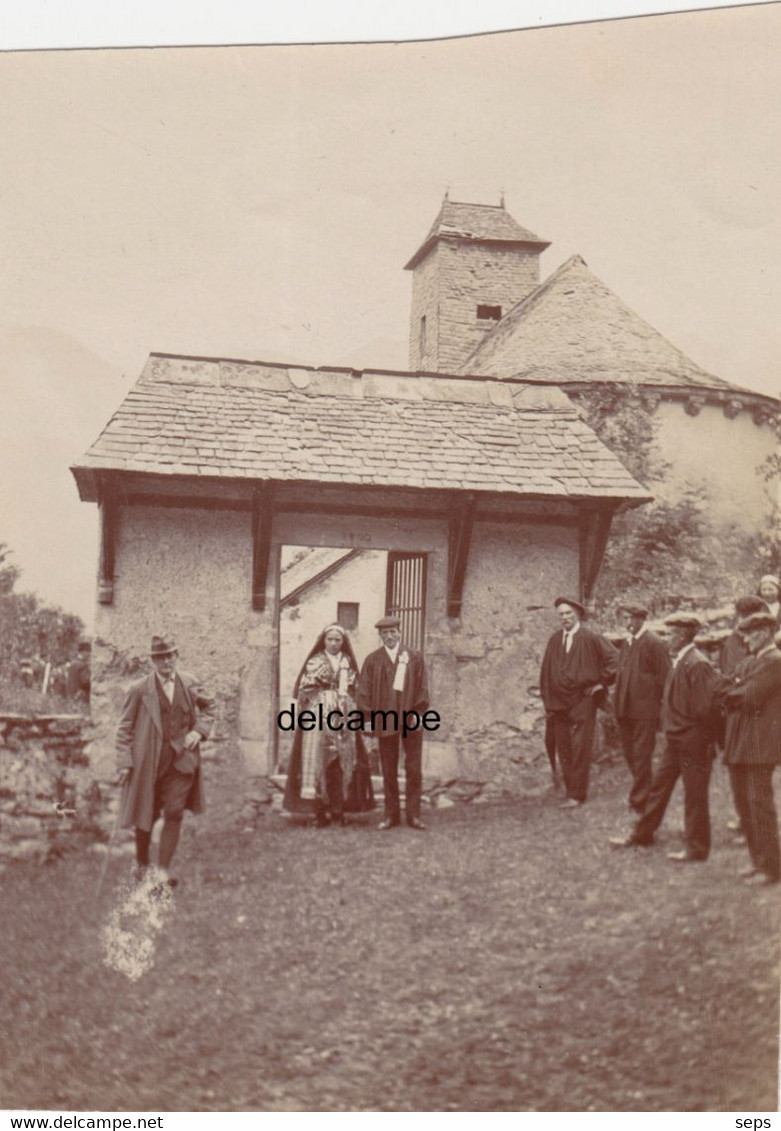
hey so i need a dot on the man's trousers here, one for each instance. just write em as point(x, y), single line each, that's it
point(413, 761)
point(752, 789)
point(574, 732)
point(692, 761)
point(638, 737)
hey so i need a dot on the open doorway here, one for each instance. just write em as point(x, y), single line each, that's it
point(322, 585)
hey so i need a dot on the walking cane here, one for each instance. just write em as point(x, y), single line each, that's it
point(112, 838)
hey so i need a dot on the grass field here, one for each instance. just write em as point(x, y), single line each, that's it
point(507, 959)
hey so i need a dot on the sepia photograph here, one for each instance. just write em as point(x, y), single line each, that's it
point(390, 572)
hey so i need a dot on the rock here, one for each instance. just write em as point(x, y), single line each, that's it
point(442, 801)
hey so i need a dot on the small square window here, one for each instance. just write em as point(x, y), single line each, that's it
point(494, 313)
point(347, 614)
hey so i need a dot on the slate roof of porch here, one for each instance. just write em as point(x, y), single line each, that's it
point(213, 417)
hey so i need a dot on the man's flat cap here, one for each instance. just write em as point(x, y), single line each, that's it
point(757, 620)
point(576, 605)
point(635, 610)
point(388, 622)
point(683, 620)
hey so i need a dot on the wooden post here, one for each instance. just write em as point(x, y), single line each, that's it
point(594, 533)
point(461, 522)
point(262, 518)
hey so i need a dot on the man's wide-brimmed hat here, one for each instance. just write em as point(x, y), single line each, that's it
point(388, 622)
point(576, 605)
point(635, 610)
point(162, 646)
point(755, 621)
point(683, 620)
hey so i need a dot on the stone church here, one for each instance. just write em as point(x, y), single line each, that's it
point(472, 475)
point(478, 308)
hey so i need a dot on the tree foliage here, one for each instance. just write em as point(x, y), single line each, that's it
point(29, 628)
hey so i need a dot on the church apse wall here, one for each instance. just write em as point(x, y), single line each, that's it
point(721, 452)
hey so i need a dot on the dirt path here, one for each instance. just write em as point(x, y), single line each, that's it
point(505, 960)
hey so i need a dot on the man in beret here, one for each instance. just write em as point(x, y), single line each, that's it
point(643, 664)
point(688, 724)
point(577, 668)
point(753, 744)
point(164, 718)
point(392, 681)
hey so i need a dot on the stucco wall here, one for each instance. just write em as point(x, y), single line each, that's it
point(718, 453)
point(515, 573)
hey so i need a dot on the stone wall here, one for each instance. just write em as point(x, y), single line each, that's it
point(50, 797)
point(448, 286)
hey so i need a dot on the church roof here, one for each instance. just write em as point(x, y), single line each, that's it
point(480, 223)
point(251, 420)
point(573, 328)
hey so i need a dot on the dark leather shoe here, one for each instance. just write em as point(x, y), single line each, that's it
point(416, 823)
point(388, 824)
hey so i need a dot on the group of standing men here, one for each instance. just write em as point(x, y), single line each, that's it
point(696, 704)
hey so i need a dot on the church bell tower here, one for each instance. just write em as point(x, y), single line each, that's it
point(474, 265)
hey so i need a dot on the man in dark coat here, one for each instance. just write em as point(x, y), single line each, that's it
point(753, 744)
point(732, 656)
point(577, 668)
point(688, 724)
point(164, 718)
point(643, 664)
point(392, 681)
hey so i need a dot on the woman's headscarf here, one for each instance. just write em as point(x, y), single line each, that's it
point(319, 646)
point(771, 577)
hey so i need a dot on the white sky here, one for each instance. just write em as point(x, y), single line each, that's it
point(260, 202)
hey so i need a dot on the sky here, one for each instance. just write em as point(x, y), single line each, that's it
point(261, 202)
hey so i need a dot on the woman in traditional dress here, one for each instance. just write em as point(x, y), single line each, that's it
point(329, 770)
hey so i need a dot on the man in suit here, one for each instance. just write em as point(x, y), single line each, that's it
point(643, 664)
point(687, 720)
point(393, 681)
point(577, 668)
point(753, 744)
point(164, 718)
point(732, 656)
